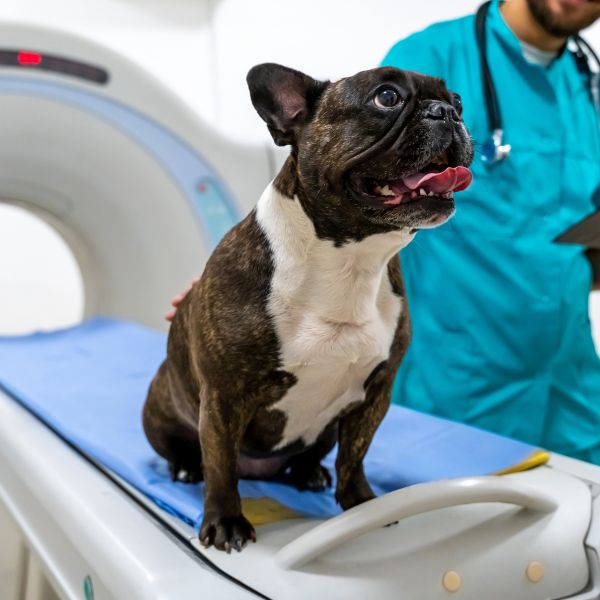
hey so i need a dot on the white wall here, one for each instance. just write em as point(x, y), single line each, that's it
point(177, 39)
point(202, 50)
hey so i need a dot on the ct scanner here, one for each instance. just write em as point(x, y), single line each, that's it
point(141, 190)
point(96, 146)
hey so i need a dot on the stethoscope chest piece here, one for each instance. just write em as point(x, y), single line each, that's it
point(493, 150)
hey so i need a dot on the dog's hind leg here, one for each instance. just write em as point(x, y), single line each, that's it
point(171, 437)
point(305, 469)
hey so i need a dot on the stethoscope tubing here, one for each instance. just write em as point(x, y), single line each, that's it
point(495, 149)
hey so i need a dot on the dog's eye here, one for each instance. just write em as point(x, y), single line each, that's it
point(457, 103)
point(386, 97)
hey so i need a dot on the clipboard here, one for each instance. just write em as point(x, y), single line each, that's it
point(586, 232)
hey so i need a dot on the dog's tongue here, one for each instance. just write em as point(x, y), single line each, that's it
point(452, 179)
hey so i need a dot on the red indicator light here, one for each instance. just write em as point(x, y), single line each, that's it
point(29, 58)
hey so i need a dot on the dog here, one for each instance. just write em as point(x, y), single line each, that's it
point(291, 339)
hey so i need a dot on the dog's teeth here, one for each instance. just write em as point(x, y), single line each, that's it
point(430, 194)
point(422, 192)
point(383, 191)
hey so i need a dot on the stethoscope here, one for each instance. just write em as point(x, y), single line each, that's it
point(494, 149)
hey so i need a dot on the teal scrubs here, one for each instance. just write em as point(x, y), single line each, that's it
point(501, 333)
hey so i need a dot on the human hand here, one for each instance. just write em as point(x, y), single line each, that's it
point(176, 300)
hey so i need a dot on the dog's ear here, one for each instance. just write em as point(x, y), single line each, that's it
point(284, 98)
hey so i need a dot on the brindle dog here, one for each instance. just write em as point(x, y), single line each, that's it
point(291, 339)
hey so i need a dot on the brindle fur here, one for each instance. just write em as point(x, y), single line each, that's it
point(210, 400)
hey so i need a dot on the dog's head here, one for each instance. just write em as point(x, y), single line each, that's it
point(379, 151)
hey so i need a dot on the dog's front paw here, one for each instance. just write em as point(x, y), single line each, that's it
point(316, 479)
point(225, 533)
point(351, 497)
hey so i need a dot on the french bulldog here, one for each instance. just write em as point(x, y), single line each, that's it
point(291, 339)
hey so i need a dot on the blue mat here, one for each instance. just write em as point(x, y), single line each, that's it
point(89, 382)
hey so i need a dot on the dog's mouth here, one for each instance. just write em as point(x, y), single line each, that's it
point(436, 180)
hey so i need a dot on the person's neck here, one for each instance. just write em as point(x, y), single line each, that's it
point(521, 21)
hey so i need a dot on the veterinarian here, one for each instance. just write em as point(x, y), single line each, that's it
point(501, 334)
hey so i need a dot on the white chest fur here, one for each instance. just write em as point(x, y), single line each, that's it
point(334, 312)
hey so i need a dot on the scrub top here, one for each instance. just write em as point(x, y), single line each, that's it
point(501, 332)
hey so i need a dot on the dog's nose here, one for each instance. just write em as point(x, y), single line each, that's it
point(438, 110)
